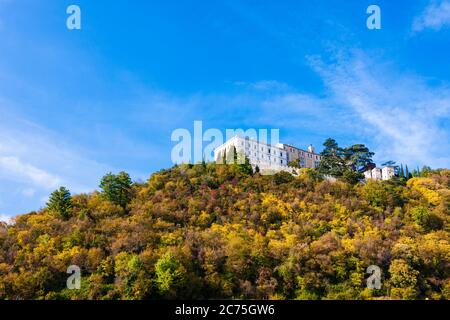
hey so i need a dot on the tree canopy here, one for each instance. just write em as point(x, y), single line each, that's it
point(117, 188)
point(60, 203)
point(346, 163)
point(211, 231)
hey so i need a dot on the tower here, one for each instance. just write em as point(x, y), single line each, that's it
point(311, 148)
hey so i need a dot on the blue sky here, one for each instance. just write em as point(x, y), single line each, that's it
point(77, 104)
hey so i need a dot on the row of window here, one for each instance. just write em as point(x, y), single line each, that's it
point(262, 149)
point(248, 154)
point(302, 153)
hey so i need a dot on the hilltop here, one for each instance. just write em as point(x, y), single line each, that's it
point(220, 231)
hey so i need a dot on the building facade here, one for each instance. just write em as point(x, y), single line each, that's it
point(305, 158)
point(377, 173)
point(263, 155)
point(266, 156)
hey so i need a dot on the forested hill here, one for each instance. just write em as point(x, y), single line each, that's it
point(219, 231)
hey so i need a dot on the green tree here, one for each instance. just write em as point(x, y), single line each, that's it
point(331, 149)
point(294, 164)
point(346, 163)
point(131, 277)
point(244, 168)
point(231, 156)
point(331, 162)
point(282, 177)
point(357, 157)
point(117, 188)
point(170, 274)
point(407, 174)
point(60, 203)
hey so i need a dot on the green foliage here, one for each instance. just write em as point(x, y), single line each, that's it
point(169, 274)
point(245, 168)
point(282, 177)
point(294, 164)
point(60, 203)
point(117, 188)
point(351, 176)
point(132, 279)
point(345, 163)
point(420, 215)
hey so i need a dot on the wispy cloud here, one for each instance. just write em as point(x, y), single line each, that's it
point(5, 218)
point(13, 167)
point(435, 16)
point(34, 161)
point(402, 113)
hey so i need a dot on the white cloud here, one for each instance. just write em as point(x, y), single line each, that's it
point(4, 218)
point(435, 16)
point(13, 167)
point(401, 113)
point(35, 161)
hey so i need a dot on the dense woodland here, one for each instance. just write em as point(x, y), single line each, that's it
point(211, 231)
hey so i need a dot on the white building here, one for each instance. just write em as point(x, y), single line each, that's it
point(384, 173)
point(265, 156)
point(387, 172)
point(304, 158)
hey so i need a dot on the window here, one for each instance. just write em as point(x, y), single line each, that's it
point(281, 161)
point(269, 150)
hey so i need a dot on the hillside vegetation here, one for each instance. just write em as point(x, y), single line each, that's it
point(218, 231)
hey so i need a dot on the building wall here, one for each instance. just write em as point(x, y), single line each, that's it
point(368, 174)
point(260, 154)
point(384, 173)
point(306, 159)
point(376, 174)
point(387, 173)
